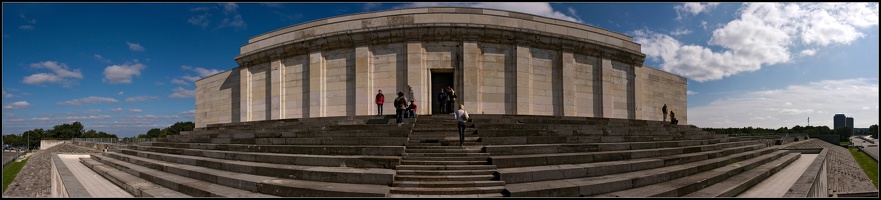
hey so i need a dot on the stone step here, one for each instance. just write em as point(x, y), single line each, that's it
point(586, 139)
point(231, 184)
point(445, 172)
point(387, 162)
point(442, 147)
point(445, 167)
point(294, 149)
point(500, 150)
point(419, 158)
point(682, 186)
point(377, 141)
point(447, 184)
point(489, 195)
point(188, 186)
point(443, 143)
point(445, 154)
point(441, 162)
point(447, 191)
point(409, 150)
point(602, 156)
point(444, 178)
point(615, 182)
point(555, 172)
point(310, 173)
point(138, 187)
point(739, 183)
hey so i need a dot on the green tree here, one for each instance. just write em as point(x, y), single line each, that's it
point(153, 133)
point(873, 130)
point(844, 133)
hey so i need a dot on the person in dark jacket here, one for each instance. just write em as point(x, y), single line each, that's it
point(442, 98)
point(400, 106)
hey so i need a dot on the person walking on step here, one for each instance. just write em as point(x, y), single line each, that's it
point(380, 99)
point(442, 98)
point(664, 110)
point(411, 109)
point(400, 106)
point(451, 94)
point(461, 118)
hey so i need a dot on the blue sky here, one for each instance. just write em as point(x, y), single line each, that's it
point(124, 68)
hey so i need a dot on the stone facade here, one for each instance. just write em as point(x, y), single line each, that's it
point(501, 63)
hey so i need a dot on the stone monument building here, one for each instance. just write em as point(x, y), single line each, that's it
point(498, 62)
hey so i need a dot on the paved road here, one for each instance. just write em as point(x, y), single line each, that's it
point(868, 147)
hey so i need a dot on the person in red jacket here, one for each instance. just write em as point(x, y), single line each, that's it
point(380, 99)
point(411, 110)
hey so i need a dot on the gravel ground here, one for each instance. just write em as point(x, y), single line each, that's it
point(34, 178)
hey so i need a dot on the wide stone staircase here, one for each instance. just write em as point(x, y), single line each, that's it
point(305, 157)
point(503, 156)
point(434, 165)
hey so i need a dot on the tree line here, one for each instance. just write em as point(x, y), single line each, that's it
point(843, 132)
point(31, 138)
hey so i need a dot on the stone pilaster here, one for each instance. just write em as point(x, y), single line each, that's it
point(417, 76)
point(638, 93)
point(568, 83)
point(245, 89)
point(470, 77)
point(317, 84)
point(364, 94)
point(523, 81)
point(276, 96)
point(606, 83)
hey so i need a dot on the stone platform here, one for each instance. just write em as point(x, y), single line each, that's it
point(502, 156)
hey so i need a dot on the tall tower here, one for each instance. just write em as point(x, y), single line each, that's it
point(849, 122)
point(839, 121)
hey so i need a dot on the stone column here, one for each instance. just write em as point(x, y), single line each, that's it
point(317, 84)
point(470, 78)
point(364, 94)
point(245, 102)
point(524, 81)
point(638, 93)
point(276, 75)
point(568, 83)
point(606, 84)
point(417, 76)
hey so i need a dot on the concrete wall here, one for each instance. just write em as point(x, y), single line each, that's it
point(654, 89)
point(46, 144)
point(217, 98)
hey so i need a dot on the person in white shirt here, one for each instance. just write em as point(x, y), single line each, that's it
point(461, 117)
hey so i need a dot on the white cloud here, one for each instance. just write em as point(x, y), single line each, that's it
point(191, 114)
point(26, 27)
point(200, 20)
point(230, 15)
point(536, 8)
point(90, 117)
point(790, 106)
point(693, 8)
point(689, 92)
point(191, 78)
point(762, 35)
point(88, 100)
point(180, 92)
point(678, 32)
point(7, 95)
point(120, 93)
point(272, 5)
point(116, 109)
point(180, 82)
point(808, 52)
point(135, 46)
point(40, 119)
point(134, 110)
point(92, 111)
point(371, 6)
point(17, 105)
point(101, 58)
point(60, 71)
point(140, 98)
point(201, 71)
point(122, 73)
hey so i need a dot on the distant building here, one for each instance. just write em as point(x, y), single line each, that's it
point(849, 122)
point(839, 121)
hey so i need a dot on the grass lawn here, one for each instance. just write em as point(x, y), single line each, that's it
point(10, 171)
point(868, 165)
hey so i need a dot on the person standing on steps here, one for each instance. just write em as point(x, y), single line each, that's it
point(400, 106)
point(672, 118)
point(461, 117)
point(664, 110)
point(452, 102)
point(442, 98)
point(411, 109)
point(380, 99)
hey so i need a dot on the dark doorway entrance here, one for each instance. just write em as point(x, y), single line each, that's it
point(439, 79)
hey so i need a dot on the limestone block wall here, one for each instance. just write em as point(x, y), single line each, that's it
point(658, 87)
point(295, 73)
point(496, 82)
point(217, 98)
point(588, 95)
